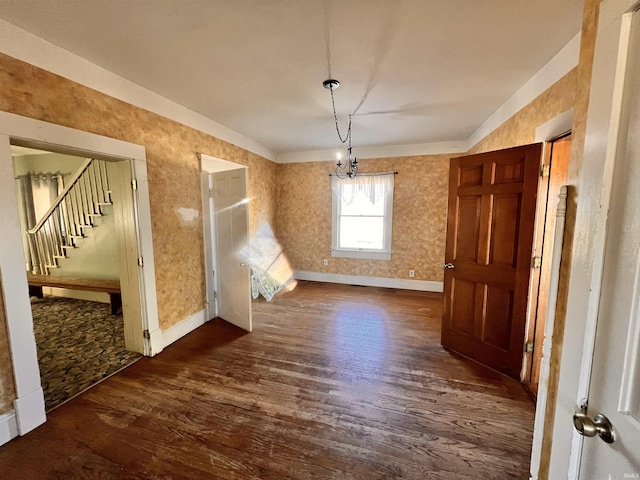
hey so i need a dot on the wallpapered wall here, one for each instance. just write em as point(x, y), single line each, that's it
point(7, 389)
point(302, 192)
point(420, 202)
point(520, 129)
point(419, 217)
point(174, 179)
point(582, 94)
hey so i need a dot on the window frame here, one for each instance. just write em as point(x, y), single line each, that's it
point(362, 253)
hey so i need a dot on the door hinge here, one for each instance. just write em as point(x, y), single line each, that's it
point(536, 262)
point(134, 184)
point(215, 294)
point(528, 347)
point(146, 334)
point(140, 262)
point(545, 170)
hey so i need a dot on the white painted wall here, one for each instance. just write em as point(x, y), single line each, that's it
point(46, 163)
point(96, 255)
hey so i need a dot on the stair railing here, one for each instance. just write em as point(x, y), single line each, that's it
point(69, 215)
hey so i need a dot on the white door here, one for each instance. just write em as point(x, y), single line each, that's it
point(209, 232)
point(229, 194)
point(615, 374)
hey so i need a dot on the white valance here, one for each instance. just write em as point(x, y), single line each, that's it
point(373, 186)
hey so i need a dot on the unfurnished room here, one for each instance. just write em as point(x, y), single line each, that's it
point(320, 239)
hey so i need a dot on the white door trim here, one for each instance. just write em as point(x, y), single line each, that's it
point(547, 346)
point(29, 404)
point(594, 195)
point(546, 132)
point(209, 165)
point(606, 45)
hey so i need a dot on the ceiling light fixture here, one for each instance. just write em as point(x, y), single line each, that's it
point(350, 168)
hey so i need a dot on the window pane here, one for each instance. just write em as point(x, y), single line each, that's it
point(361, 232)
point(361, 204)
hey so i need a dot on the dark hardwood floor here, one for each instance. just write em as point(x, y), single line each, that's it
point(335, 382)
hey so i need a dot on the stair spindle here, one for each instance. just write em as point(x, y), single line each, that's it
point(94, 188)
point(71, 212)
point(105, 180)
point(98, 175)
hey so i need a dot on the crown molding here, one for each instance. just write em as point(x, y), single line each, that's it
point(556, 68)
point(29, 48)
point(36, 51)
point(383, 151)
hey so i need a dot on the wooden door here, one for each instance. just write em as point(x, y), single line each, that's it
point(490, 224)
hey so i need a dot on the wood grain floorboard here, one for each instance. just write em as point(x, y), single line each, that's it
point(335, 382)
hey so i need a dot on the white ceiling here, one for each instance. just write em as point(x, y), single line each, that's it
point(414, 71)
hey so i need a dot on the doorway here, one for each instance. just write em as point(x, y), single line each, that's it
point(139, 299)
point(554, 176)
point(71, 244)
point(226, 234)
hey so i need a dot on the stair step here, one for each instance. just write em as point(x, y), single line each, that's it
point(94, 214)
point(51, 266)
point(85, 226)
point(104, 203)
point(76, 236)
point(59, 256)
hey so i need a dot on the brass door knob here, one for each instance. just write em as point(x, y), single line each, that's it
point(449, 266)
point(600, 425)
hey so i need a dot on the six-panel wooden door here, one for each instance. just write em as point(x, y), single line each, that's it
point(490, 225)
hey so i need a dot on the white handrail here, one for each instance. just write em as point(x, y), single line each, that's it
point(63, 194)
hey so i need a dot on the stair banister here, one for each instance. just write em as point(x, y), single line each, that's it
point(60, 198)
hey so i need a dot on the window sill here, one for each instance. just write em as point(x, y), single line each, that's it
point(364, 254)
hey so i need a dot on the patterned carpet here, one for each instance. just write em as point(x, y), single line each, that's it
point(79, 343)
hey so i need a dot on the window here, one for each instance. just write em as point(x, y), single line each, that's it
point(362, 216)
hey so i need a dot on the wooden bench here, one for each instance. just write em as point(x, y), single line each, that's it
point(112, 287)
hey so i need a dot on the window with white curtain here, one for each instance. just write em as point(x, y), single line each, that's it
point(362, 216)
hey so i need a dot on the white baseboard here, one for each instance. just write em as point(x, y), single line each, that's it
point(156, 342)
point(184, 327)
point(30, 412)
point(405, 284)
point(8, 427)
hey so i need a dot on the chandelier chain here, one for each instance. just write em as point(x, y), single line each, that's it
point(350, 168)
point(335, 118)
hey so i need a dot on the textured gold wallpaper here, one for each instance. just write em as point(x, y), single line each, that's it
point(419, 217)
point(7, 388)
point(520, 129)
point(303, 198)
point(173, 169)
point(583, 86)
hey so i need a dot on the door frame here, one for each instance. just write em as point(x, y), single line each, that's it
point(209, 165)
point(29, 409)
point(587, 259)
point(605, 83)
point(546, 134)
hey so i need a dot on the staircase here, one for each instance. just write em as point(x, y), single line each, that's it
point(69, 216)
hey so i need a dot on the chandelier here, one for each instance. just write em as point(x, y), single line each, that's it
point(350, 168)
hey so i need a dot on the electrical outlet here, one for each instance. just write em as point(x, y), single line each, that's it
point(412, 273)
point(326, 262)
